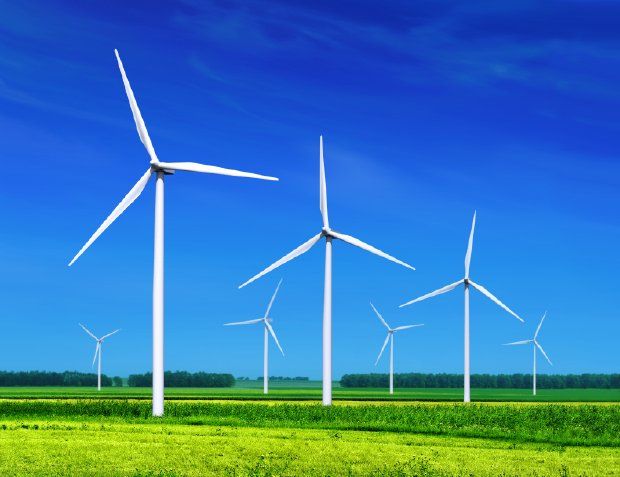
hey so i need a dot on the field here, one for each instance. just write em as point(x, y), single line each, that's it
point(64, 431)
point(304, 390)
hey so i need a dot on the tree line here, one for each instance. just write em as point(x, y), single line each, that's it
point(423, 380)
point(51, 378)
point(184, 379)
point(283, 378)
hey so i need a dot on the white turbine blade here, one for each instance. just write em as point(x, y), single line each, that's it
point(195, 167)
point(522, 342)
point(131, 196)
point(380, 317)
point(494, 299)
point(88, 331)
point(445, 289)
point(543, 352)
point(96, 351)
point(387, 338)
point(273, 334)
point(137, 117)
point(303, 248)
point(323, 189)
point(110, 334)
point(470, 245)
point(539, 325)
point(249, 322)
point(368, 248)
point(406, 327)
point(272, 299)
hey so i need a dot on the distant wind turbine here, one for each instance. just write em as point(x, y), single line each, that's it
point(390, 338)
point(466, 281)
point(160, 169)
point(535, 344)
point(98, 351)
point(268, 330)
point(329, 234)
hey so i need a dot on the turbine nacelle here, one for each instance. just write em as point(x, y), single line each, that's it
point(466, 281)
point(534, 340)
point(266, 320)
point(390, 330)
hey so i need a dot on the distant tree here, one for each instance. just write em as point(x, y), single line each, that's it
point(184, 379)
point(419, 380)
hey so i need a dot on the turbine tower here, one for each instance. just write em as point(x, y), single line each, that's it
point(535, 344)
point(390, 338)
point(328, 234)
point(466, 282)
point(98, 351)
point(268, 329)
point(159, 169)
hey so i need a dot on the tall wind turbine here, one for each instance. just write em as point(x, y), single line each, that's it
point(98, 351)
point(467, 282)
point(159, 169)
point(268, 329)
point(390, 338)
point(535, 344)
point(329, 234)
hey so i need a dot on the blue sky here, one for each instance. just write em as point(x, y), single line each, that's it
point(429, 112)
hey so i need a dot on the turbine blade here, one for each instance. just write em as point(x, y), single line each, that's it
point(387, 338)
point(248, 322)
point(88, 331)
point(494, 299)
point(369, 248)
point(195, 167)
point(323, 188)
point(445, 289)
point(273, 334)
point(96, 351)
point(303, 248)
point(110, 334)
point(522, 342)
point(470, 246)
point(380, 317)
point(406, 327)
point(137, 117)
point(543, 352)
point(131, 196)
point(539, 325)
point(272, 299)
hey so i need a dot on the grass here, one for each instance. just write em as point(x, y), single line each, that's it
point(118, 437)
point(304, 390)
point(56, 448)
point(239, 431)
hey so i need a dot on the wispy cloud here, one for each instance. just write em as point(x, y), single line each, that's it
point(476, 44)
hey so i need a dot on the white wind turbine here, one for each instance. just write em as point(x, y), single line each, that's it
point(535, 344)
point(390, 338)
point(329, 234)
point(467, 282)
point(98, 351)
point(160, 169)
point(268, 330)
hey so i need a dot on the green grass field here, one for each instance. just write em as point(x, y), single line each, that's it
point(69, 437)
point(304, 390)
point(45, 431)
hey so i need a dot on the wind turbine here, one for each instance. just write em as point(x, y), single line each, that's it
point(268, 330)
point(535, 344)
point(467, 282)
point(329, 234)
point(390, 338)
point(159, 169)
point(98, 351)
